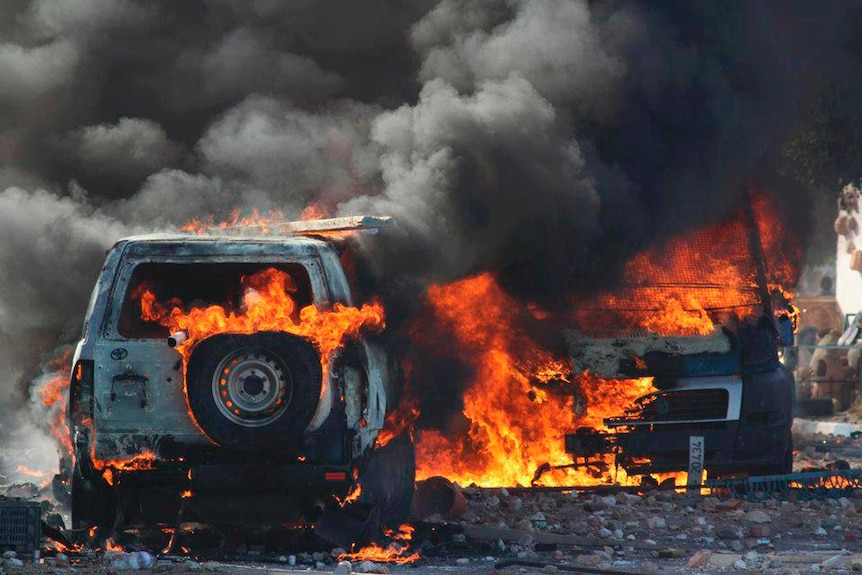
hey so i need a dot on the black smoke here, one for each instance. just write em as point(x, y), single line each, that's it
point(542, 139)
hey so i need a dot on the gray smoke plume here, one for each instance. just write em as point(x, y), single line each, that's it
point(543, 139)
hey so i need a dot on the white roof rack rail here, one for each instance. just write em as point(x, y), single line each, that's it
point(344, 224)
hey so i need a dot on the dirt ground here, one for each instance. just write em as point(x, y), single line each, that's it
point(598, 532)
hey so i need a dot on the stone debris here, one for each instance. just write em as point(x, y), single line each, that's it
point(617, 529)
point(757, 516)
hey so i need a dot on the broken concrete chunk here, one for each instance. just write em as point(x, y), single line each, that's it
point(698, 560)
point(656, 522)
point(723, 560)
point(757, 516)
point(729, 505)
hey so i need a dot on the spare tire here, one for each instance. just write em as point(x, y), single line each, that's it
point(254, 392)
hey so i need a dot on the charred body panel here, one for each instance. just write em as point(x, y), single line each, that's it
point(740, 400)
point(128, 390)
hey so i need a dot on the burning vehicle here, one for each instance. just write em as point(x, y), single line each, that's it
point(235, 375)
point(704, 320)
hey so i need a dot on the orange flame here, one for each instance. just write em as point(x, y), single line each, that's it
point(266, 305)
point(314, 211)
point(521, 399)
point(396, 551)
point(350, 497)
point(24, 470)
point(54, 394)
point(140, 461)
point(201, 226)
point(689, 283)
point(519, 403)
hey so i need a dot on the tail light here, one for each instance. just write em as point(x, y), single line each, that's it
point(81, 391)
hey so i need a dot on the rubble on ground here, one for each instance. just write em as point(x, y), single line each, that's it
point(607, 528)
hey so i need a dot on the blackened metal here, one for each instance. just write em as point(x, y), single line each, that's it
point(830, 484)
point(20, 526)
point(758, 254)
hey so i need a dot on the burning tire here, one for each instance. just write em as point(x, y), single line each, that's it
point(254, 392)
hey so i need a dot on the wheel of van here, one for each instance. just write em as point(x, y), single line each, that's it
point(783, 465)
point(388, 479)
point(254, 392)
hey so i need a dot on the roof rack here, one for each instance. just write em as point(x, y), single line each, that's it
point(344, 224)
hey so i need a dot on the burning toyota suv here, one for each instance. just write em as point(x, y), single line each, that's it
point(232, 374)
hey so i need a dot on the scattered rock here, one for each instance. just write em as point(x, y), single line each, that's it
point(698, 560)
point(722, 560)
point(588, 560)
point(757, 516)
point(462, 561)
point(739, 564)
point(371, 567)
point(134, 561)
point(760, 530)
point(729, 505)
point(343, 568)
point(728, 532)
point(656, 522)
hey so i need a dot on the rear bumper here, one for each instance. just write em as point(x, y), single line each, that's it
point(227, 493)
point(230, 477)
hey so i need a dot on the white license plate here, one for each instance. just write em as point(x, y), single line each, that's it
point(696, 452)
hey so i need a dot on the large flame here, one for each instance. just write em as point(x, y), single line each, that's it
point(520, 401)
point(691, 282)
point(267, 305)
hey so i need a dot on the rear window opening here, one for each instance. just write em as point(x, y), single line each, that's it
point(198, 285)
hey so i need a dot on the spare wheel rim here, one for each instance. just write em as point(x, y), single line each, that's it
point(252, 387)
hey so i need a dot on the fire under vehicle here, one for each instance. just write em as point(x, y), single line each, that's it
point(183, 397)
point(725, 386)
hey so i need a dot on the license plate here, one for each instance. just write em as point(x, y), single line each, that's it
point(695, 460)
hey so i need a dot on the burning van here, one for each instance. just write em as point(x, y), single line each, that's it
point(703, 319)
point(232, 374)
